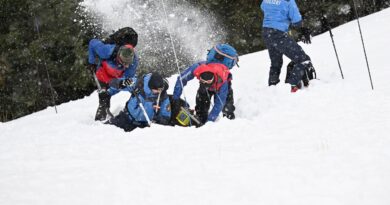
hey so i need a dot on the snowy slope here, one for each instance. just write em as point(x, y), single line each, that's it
point(328, 144)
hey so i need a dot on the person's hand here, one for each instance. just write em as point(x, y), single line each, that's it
point(199, 125)
point(125, 83)
point(92, 67)
point(175, 106)
point(156, 107)
point(305, 35)
point(229, 116)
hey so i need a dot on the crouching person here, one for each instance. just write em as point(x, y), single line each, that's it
point(213, 82)
point(148, 103)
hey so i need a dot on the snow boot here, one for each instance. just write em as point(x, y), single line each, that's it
point(295, 88)
point(103, 112)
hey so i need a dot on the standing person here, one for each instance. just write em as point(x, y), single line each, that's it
point(148, 91)
point(110, 62)
point(214, 77)
point(278, 16)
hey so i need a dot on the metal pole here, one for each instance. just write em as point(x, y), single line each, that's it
point(142, 108)
point(45, 65)
point(326, 24)
point(174, 50)
point(364, 47)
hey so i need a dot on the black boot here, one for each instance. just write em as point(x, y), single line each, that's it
point(103, 112)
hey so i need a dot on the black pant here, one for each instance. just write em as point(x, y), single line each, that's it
point(203, 102)
point(123, 121)
point(280, 43)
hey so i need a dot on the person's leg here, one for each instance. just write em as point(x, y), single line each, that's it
point(275, 55)
point(292, 50)
point(103, 111)
point(123, 121)
point(202, 104)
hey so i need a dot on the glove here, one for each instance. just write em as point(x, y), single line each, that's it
point(175, 107)
point(305, 35)
point(92, 68)
point(199, 125)
point(324, 22)
point(229, 116)
point(125, 83)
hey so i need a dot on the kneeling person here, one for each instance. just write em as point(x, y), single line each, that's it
point(148, 102)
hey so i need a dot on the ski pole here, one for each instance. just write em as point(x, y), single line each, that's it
point(327, 26)
point(364, 47)
point(99, 87)
point(142, 108)
point(36, 21)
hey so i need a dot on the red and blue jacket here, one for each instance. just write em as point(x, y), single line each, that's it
point(220, 86)
point(108, 69)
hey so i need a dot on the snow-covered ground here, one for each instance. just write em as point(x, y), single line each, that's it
point(328, 144)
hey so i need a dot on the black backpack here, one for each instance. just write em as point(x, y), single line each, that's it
point(310, 73)
point(126, 35)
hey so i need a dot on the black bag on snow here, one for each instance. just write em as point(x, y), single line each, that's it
point(310, 73)
point(126, 35)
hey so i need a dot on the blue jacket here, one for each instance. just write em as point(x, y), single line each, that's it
point(99, 51)
point(219, 98)
point(148, 100)
point(279, 14)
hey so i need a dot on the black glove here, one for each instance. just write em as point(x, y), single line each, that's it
point(175, 106)
point(199, 125)
point(229, 115)
point(324, 22)
point(305, 35)
point(125, 83)
point(92, 67)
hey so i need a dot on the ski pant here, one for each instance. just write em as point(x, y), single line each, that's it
point(104, 103)
point(203, 102)
point(278, 44)
point(123, 121)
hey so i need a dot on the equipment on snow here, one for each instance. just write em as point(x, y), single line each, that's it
point(364, 47)
point(53, 92)
point(186, 118)
point(324, 22)
point(310, 73)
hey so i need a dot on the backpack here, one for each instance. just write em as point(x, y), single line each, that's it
point(310, 73)
point(223, 53)
point(126, 35)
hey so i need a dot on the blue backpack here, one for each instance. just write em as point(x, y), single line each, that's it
point(223, 53)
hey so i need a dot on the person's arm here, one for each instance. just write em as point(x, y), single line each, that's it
point(219, 102)
point(185, 76)
point(97, 48)
point(294, 14)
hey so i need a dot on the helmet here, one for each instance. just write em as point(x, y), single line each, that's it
point(125, 55)
point(223, 53)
